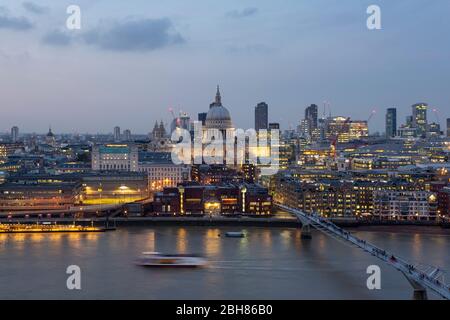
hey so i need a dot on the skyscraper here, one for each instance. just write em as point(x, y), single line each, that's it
point(14, 134)
point(448, 127)
point(311, 117)
point(304, 128)
point(391, 122)
point(419, 118)
point(127, 135)
point(202, 117)
point(261, 116)
point(116, 134)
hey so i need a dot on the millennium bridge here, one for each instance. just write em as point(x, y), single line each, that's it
point(420, 277)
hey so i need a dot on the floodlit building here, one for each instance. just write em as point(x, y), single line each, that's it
point(218, 117)
point(7, 149)
point(419, 118)
point(162, 172)
point(115, 157)
point(39, 196)
point(345, 129)
point(114, 188)
point(226, 199)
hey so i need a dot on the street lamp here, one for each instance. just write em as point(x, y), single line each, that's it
point(181, 190)
point(243, 191)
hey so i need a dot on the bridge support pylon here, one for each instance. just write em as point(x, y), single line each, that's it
point(420, 293)
point(306, 231)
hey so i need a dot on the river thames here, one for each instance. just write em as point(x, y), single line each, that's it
point(270, 263)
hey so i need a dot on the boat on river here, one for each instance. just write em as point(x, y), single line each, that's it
point(235, 234)
point(159, 260)
point(48, 228)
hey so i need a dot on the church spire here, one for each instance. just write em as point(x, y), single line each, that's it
point(218, 101)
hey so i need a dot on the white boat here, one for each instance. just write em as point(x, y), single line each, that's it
point(232, 234)
point(159, 260)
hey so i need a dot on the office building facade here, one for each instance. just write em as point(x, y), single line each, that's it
point(115, 157)
point(391, 122)
point(14, 134)
point(261, 116)
point(419, 118)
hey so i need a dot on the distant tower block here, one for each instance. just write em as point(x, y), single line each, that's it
point(116, 134)
point(14, 134)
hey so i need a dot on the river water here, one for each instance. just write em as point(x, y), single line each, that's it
point(270, 263)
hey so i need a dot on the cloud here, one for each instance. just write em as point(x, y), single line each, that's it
point(134, 35)
point(57, 38)
point(236, 14)
point(35, 8)
point(13, 23)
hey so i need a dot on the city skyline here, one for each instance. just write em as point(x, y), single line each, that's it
point(289, 56)
point(395, 126)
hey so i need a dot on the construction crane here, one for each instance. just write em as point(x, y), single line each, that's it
point(372, 114)
point(436, 113)
point(175, 118)
point(171, 112)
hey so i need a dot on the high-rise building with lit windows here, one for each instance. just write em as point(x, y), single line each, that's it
point(345, 130)
point(419, 118)
point(311, 117)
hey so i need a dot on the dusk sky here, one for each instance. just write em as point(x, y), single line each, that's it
point(132, 60)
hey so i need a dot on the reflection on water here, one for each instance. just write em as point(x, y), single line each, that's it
point(182, 240)
point(212, 242)
point(150, 242)
point(417, 246)
point(266, 264)
point(267, 237)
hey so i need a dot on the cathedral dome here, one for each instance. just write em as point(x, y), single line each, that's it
point(50, 133)
point(218, 116)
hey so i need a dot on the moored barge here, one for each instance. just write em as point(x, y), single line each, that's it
point(49, 228)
